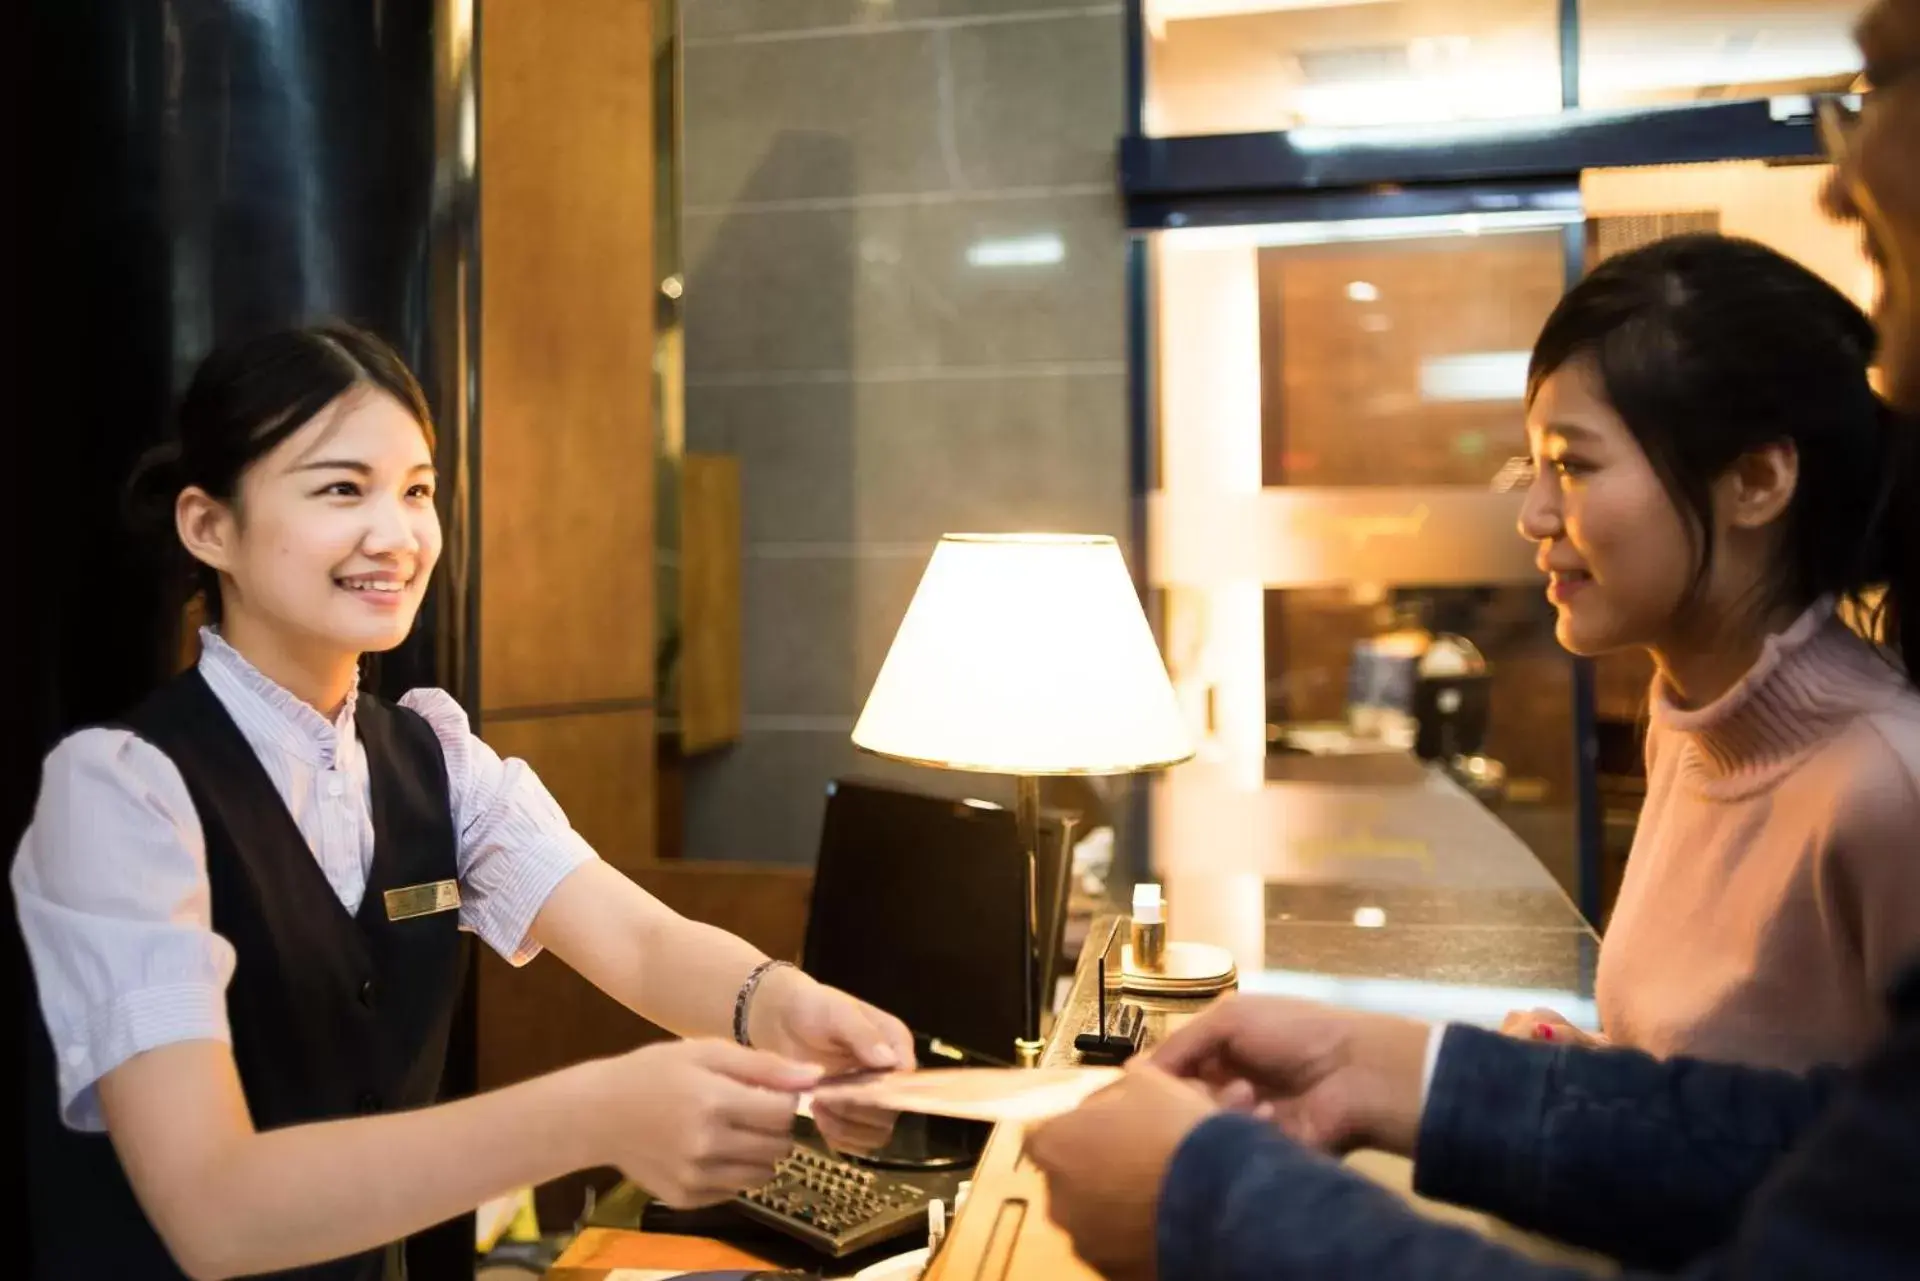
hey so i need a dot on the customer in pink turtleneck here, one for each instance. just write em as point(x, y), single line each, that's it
point(1714, 474)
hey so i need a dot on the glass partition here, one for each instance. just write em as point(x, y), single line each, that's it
point(1337, 406)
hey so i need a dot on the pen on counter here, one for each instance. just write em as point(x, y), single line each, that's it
point(1106, 951)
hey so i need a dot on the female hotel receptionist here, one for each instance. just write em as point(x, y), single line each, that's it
point(242, 903)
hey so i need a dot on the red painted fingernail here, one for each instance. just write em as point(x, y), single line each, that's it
point(1546, 1033)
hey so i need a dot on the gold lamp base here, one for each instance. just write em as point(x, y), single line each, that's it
point(1027, 1053)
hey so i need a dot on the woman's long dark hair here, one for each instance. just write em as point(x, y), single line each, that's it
point(243, 401)
point(1709, 347)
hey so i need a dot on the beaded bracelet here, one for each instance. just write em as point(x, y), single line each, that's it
point(745, 998)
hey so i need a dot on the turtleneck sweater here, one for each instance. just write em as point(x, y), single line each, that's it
point(1773, 889)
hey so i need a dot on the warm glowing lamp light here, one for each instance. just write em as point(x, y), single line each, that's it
point(1029, 655)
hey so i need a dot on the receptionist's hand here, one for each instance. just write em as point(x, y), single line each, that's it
point(1105, 1164)
point(801, 1018)
point(1331, 1079)
point(694, 1122)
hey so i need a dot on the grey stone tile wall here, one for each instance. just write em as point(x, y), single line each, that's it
point(905, 313)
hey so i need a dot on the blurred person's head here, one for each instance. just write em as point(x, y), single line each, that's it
point(1711, 456)
point(300, 488)
point(1876, 183)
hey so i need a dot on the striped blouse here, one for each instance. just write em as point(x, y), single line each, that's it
point(110, 879)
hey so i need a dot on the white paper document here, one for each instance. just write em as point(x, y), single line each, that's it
point(973, 1094)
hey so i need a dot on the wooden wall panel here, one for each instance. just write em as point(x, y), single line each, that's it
point(567, 595)
point(567, 295)
point(600, 767)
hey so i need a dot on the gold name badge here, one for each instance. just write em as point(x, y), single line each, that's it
point(422, 900)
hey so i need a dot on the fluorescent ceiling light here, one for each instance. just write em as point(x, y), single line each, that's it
point(1025, 251)
point(1440, 1002)
point(1475, 376)
point(1160, 11)
point(1284, 234)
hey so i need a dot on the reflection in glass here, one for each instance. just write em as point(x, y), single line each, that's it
point(1242, 66)
point(1236, 66)
point(1482, 1004)
point(1419, 380)
point(1650, 52)
point(1352, 694)
point(1347, 597)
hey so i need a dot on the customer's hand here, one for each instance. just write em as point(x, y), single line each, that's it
point(1105, 1164)
point(1547, 1025)
point(1332, 1079)
point(801, 1018)
point(694, 1122)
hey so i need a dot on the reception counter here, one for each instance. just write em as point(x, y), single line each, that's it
point(1405, 896)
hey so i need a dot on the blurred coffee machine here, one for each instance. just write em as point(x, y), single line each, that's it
point(1451, 697)
point(1425, 691)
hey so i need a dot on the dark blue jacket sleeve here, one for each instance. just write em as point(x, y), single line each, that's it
point(1242, 1203)
point(1599, 1146)
point(1846, 1203)
point(1648, 1161)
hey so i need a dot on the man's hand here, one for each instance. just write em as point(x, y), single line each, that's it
point(1106, 1161)
point(1331, 1079)
point(1548, 1025)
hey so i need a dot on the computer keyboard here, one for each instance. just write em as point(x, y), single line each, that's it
point(835, 1206)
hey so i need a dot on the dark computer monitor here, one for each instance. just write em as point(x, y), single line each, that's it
point(917, 907)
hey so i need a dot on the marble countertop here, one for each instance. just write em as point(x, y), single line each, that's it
point(1406, 897)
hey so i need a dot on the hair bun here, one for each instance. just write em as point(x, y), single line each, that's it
point(153, 487)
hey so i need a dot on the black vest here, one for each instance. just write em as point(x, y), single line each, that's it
point(332, 1014)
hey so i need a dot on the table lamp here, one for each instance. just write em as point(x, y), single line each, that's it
point(1029, 655)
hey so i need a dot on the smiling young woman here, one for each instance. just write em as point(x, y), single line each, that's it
point(243, 904)
point(1715, 479)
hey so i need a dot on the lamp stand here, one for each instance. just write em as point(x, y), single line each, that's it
point(1028, 1047)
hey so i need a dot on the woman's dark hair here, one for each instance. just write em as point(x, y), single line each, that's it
point(1709, 347)
point(244, 400)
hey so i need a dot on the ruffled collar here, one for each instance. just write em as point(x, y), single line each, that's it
point(285, 720)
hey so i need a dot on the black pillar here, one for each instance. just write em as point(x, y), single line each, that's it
point(186, 172)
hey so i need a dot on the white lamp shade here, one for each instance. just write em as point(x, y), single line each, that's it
point(1025, 654)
